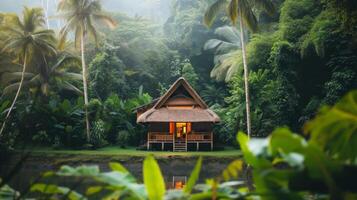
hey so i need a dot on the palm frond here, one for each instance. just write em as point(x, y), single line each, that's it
point(9, 67)
point(246, 12)
point(227, 65)
point(92, 31)
point(233, 11)
point(220, 46)
point(13, 88)
point(68, 86)
point(110, 22)
point(212, 44)
point(72, 76)
point(62, 40)
point(11, 30)
point(33, 18)
point(79, 15)
point(213, 11)
point(62, 62)
point(7, 78)
point(265, 5)
point(229, 33)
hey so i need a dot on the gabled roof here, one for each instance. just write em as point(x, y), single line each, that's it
point(180, 82)
point(160, 113)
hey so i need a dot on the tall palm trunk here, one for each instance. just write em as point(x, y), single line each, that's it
point(246, 73)
point(17, 94)
point(85, 87)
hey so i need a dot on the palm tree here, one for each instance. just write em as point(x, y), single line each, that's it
point(54, 73)
point(27, 39)
point(243, 11)
point(80, 16)
point(226, 49)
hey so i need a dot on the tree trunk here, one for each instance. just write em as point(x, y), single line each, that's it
point(16, 96)
point(85, 87)
point(246, 73)
point(46, 13)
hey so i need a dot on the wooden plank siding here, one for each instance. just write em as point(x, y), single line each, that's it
point(167, 138)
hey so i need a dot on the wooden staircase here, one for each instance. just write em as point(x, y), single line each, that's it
point(180, 146)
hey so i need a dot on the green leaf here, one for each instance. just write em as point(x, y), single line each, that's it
point(283, 140)
point(153, 179)
point(4, 106)
point(78, 171)
point(248, 154)
point(7, 193)
point(335, 129)
point(48, 174)
point(294, 159)
point(194, 176)
point(232, 170)
point(118, 167)
point(93, 190)
point(55, 190)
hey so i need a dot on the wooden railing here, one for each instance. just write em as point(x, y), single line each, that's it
point(159, 136)
point(167, 137)
point(199, 137)
point(195, 138)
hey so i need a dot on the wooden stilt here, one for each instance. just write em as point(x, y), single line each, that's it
point(162, 146)
point(197, 146)
point(211, 141)
point(148, 142)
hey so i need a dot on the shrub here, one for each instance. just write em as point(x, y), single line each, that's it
point(41, 137)
point(98, 131)
point(123, 138)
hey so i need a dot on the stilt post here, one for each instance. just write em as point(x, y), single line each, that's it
point(148, 143)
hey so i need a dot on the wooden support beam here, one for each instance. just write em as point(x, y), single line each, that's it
point(162, 146)
point(148, 143)
point(211, 141)
point(173, 144)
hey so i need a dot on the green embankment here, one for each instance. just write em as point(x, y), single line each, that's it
point(110, 154)
point(116, 151)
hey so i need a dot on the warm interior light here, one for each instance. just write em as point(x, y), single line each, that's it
point(180, 129)
point(179, 185)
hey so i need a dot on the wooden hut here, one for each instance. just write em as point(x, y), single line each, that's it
point(178, 118)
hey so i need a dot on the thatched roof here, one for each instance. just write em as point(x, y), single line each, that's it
point(171, 115)
point(174, 106)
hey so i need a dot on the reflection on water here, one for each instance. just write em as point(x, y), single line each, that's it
point(175, 171)
point(178, 182)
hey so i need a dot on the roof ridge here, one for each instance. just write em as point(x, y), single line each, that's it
point(174, 87)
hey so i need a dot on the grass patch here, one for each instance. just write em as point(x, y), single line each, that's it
point(132, 152)
point(55, 157)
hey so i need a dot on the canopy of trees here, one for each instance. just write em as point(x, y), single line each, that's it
point(300, 58)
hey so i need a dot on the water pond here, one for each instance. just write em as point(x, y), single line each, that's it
point(175, 170)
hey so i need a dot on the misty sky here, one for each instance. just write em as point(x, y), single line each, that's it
point(157, 10)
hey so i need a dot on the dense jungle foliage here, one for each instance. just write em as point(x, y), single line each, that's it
point(302, 57)
point(283, 166)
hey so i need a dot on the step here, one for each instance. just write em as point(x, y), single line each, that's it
point(183, 147)
point(183, 143)
point(180, 146)
point(180, 149)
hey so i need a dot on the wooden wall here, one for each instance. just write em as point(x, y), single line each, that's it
point(159, 127)
point(202, 127)
point(165, 127)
